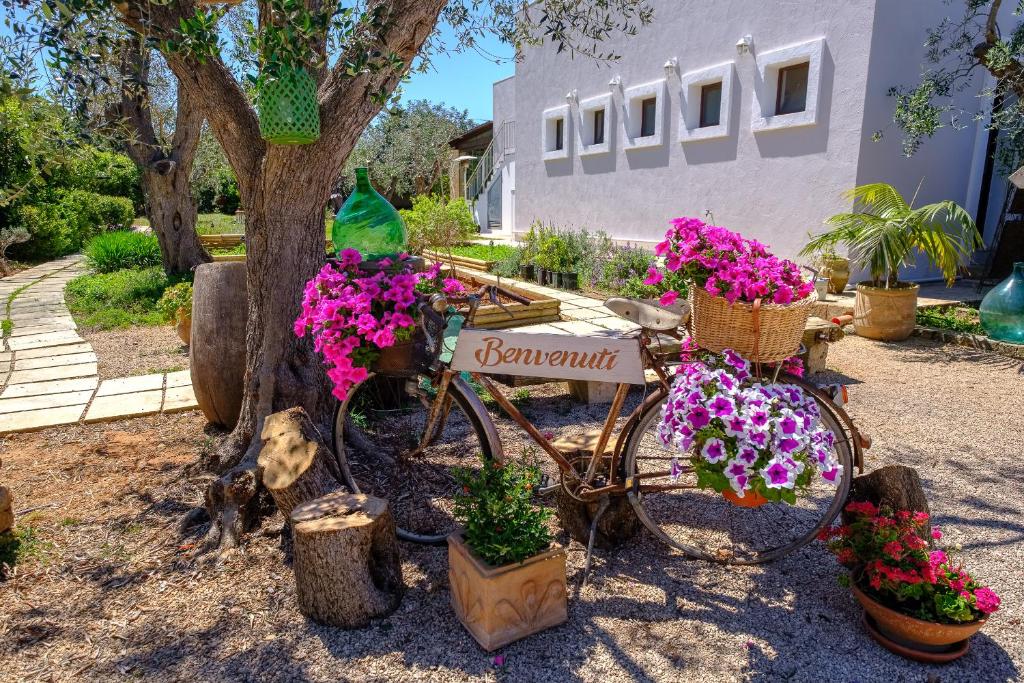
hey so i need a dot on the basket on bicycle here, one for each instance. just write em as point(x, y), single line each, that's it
point(762, 332)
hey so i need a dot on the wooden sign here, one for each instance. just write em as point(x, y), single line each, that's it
point(557, 356)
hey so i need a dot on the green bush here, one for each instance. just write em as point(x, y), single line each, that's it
point(49, 234)
point(121, 249)
point(509, 265)
point(434, 222)
point(119, 299)
point(88, 214)
point(176, 297)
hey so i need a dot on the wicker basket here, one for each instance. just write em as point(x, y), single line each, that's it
point(719, 325)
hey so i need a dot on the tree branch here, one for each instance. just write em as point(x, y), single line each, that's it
point(188, 128)
point(991, 25)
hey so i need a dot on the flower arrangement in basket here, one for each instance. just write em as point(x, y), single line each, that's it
point(749, 441)
point(901, 580)
point(354, 316)
point(743, 297)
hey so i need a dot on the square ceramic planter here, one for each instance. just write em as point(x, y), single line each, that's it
point(499, 605)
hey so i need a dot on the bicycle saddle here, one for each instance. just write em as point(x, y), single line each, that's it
point(649, 314)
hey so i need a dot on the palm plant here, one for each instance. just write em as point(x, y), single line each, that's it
point(884, 231)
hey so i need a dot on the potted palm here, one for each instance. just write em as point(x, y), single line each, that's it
point(918, 602)
point(884, 232)
point(507, 576)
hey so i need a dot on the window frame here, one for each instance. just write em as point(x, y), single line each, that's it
point(599, 133)
point(691, 85)
point(550, 117)
point(585, 125)
point(703, 123)
point(766, 86)
point(783, 71)
point(633, 108)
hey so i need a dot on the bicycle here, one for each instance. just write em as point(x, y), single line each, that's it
point(400, 438)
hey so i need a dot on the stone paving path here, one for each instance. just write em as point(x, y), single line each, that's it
point(48, 374)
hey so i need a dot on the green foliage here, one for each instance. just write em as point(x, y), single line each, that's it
point(213, 182)
point(176, 297)
point(434, 222)
point(20, 544)
point(105, 173)
point(508, 265)
point(957, 318)
point(485, 252)
point(884, 232)
point(502, 525)
point(119, 299)
point(120, 249)
point(6, 327)
point(218, 224)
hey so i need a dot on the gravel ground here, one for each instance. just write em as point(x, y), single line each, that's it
point(137, 350)
point(111, 592)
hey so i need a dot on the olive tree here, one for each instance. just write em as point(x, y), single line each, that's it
point(358, 53)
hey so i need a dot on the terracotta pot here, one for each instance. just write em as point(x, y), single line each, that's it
point(499, 605)
point(837, 270)
point(919, 636)
point(184, 326)
point(885, 314)
point(750, 499)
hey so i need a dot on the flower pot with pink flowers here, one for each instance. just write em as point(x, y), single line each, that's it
point(742, 297)
point(918, 601)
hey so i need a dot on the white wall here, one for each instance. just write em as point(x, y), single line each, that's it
point(504, 102)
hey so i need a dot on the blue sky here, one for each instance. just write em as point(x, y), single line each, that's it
point(462, 80)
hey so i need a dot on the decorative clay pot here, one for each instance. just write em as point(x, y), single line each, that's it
point(915, 638)
point(885, 314)
point(750, 499)
point(837, 270)
point(184, 326)
point(499, 605)
point(220, 311)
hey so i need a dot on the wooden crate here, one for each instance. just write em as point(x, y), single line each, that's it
point(461, 262)
point(542, 309)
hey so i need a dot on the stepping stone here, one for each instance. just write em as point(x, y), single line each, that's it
point(24, 331)
point(37, 341)
point(106, 408)
point(52, 373)
point(19, 405)
point(6, 355)
point(54, 361)
point(38, 419)
point(179, 379)
point(178, 399)
point(81, 347)
point(128, 385)
point(581, 327)
point(583, 313)
point(59, 386)
point(615, 323)
point(540, 329)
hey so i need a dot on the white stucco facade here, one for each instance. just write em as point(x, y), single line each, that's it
point(772, 177)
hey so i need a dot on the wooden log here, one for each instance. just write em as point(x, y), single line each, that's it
point(894, 486)
point(6, 510)
point(347, 568)
point(295, 464)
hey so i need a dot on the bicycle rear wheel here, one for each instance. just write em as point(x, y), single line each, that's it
point(704, 525)
point(379, 439)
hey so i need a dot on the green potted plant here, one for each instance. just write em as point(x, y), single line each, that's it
point(547, 258)
point(918, 601)
point(884, 233)
point(176, 306)
point(527, 268)
point(506, 573)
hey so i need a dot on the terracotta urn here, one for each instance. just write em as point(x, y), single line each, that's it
point(837, 270)
point(499, 605)
point(885, 314)
point(184, 326)
point(750, 499)
point(916, 638)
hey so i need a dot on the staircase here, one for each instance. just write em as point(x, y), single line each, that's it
point(503, 144)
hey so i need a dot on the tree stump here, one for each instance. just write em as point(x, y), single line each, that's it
point(6, 510)
point(894, 486)
point(618, 524)
point(295, 463)
point(347, 569)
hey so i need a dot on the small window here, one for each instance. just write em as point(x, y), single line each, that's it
point(711, 104)
point(792, 92)
point(598, 126)
point(648, 116)
point(559, 134)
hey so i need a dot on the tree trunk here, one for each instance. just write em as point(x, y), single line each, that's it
point(894, 486)
point(347, 567)
point(172, 215)
point(295, 464)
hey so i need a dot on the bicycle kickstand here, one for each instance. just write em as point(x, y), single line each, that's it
point(601, 507)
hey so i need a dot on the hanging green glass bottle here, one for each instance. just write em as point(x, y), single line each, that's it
point(368, 222)
point(1002, 309)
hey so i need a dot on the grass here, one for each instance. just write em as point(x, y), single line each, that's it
point(117, 300)
point(484, 252)
point(218, 224)
point(22, 544)
point(955, 318)
point(7, 326)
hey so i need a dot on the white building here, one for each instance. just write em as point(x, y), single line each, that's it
point(762, 113)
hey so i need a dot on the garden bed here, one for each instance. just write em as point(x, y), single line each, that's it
point(542, 309)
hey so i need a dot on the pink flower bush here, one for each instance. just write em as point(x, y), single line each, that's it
point(353, 315)
point(743, 435)
point(896, 565)
point(726, 264)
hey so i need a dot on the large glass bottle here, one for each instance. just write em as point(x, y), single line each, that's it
point(1002, 309)
point(368, 222)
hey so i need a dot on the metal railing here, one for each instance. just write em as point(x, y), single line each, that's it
point(503, 143)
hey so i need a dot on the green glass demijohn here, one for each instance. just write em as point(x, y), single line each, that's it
point(1002, 309)
point(368, 222)
point(288, 109)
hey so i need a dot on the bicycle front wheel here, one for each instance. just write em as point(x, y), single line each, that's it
point(704, 525)
point(380, 439)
